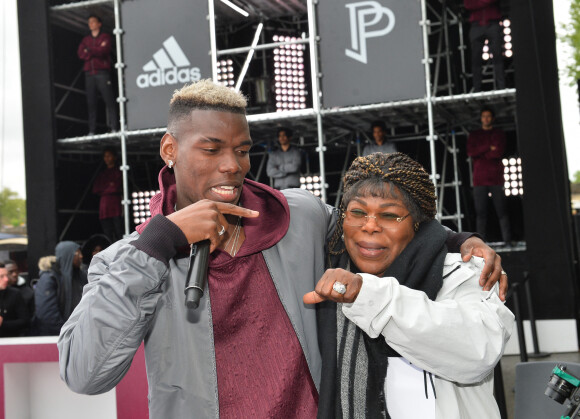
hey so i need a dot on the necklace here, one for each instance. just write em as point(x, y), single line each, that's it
point(235, 236)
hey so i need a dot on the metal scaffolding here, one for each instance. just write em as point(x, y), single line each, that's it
point(442, 112)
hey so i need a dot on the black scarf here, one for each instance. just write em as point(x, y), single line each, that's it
point(420, 267)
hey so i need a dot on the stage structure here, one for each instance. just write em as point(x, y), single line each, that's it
point(145, 84)
point(240, 47)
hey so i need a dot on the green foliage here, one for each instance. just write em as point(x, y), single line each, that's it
point(12, 209)
point(572, 38)
point(576, 177)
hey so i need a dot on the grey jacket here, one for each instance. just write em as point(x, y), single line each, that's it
point(133, 296)
point(284, 167)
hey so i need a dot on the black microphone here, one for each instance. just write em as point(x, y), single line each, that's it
point(196, 273)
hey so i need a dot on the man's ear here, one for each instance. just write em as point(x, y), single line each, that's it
point(168, 148)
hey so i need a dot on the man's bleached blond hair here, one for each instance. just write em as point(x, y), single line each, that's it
point(204, 95)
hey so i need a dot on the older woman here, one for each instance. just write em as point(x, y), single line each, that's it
point(414, 334)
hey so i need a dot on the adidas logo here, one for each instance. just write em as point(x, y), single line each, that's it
point(168, 66)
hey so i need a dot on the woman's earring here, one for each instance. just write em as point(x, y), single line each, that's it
point(342, 237)
point(416, 226)
point(170, 164)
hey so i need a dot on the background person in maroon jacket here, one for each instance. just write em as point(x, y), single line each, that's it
point(109, 185)
point(486, 147)
point(484, 17)
point(95, 51)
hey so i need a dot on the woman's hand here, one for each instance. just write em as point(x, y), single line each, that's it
point(492, 270)
point(324, 289)
point(204, 220)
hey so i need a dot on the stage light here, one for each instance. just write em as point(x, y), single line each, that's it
point(225, 72)
point(507, 46)
point(140, 202)
point(311, 184)
point(288, 60)
point(513, 184)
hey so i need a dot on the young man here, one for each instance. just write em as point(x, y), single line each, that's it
point(95, 51)
point(284, 163)
point(484, 17)
point(109, 186)
point(19, 283)
point(59, 290)
point(486, 146)
point(251, 347)
point(14, 317)
point(381, 144)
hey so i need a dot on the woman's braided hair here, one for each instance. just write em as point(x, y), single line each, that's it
point(376, 175)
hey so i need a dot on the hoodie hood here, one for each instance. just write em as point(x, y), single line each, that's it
point(164, 202)
point(65, 253)
point(261, 233)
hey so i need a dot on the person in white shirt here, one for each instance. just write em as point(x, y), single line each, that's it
point(413, 334)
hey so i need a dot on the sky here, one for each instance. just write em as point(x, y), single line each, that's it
point(11, 138)
point(568, 94)
point(12, 174)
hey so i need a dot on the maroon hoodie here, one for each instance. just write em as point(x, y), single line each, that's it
point(482, 11)
point(261, 368)
point(95, 51)
point(487, 165)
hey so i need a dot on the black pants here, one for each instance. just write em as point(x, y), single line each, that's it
point(113, 228)
point(477, 36)
point(481, 200)
point(101, 82)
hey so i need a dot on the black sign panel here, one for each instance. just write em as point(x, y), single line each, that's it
point(165, 46)
point(371, 51)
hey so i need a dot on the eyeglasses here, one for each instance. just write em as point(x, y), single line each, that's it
point(358, 218)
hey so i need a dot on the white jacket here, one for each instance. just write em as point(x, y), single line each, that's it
point(459, 337)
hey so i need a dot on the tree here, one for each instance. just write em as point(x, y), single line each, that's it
point(576, 177)
point(12, 209)
point(572, 38)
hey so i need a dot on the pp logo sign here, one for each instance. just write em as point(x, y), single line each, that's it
point(363, 15)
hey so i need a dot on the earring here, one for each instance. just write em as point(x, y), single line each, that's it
point(170, 164)
point(416, 226)
point(342, 237)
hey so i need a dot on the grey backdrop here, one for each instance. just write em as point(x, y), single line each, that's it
point(164, 48)
point(393, 69)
